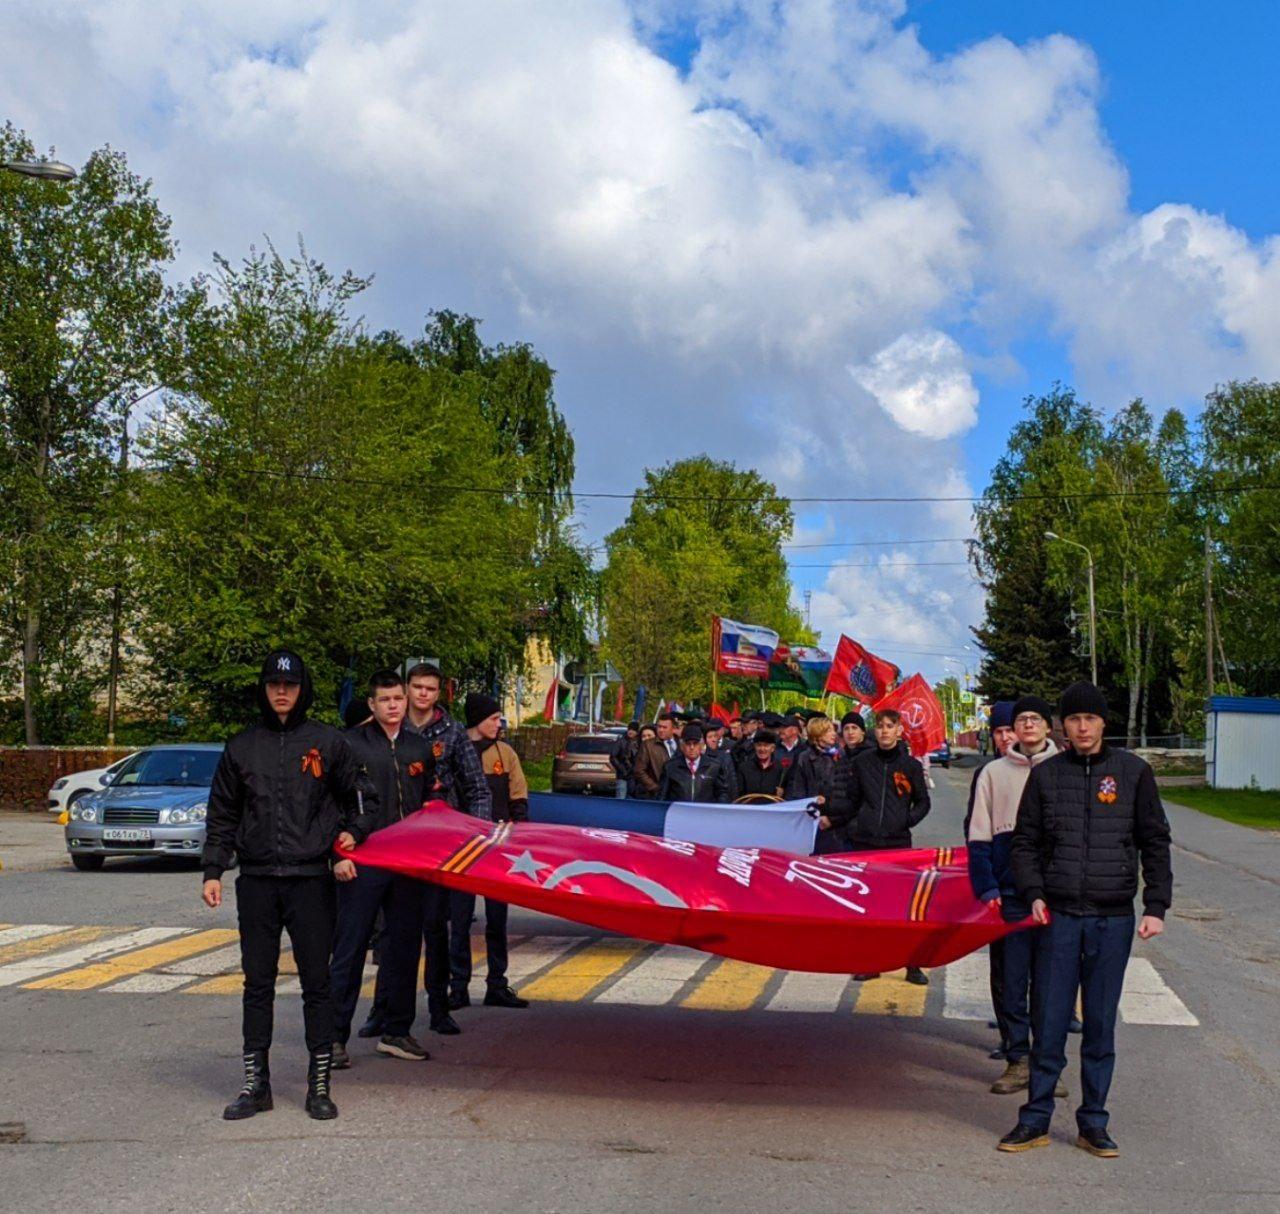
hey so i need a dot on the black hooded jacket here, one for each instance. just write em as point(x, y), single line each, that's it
point(283, 792)
point(886, 797)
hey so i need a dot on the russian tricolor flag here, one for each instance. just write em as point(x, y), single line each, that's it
point(742, 649)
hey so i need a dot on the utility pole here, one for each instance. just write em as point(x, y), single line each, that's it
point(1208, 617)
point(113, 679)
point(808, 602)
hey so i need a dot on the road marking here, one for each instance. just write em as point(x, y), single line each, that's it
point(582, 971)
point(1147, 999)
point(733, 986)
point(967, 988)
point(57, 938)
point(181, 971)
point(537, 953)
point(809, 993)
point(124, 965)
point(29, 931)
point(36, 967)
point(891, 995)
point(657, 979)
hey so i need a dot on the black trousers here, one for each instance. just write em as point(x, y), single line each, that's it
point(304, 907)
point(434, 928)
point(359, 901)
point(995, 952)
point(462, 912)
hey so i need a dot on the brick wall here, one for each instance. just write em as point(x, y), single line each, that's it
point(26, 773)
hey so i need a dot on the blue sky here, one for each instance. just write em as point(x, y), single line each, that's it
point(837, 241)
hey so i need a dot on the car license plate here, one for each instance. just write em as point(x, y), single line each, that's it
point(118, 835)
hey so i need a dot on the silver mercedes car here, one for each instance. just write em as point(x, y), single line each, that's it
point(154, 806)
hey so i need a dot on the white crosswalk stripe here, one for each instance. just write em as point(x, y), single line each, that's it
point(537, 952)
point(29, 931)
point(50, 963)
point(657, 979)
point(1147, 999)
point(809, 993)
point(967, 988)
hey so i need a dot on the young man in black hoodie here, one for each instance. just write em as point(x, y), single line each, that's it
point(401, 768)
point(886, 799)
point(285, 791)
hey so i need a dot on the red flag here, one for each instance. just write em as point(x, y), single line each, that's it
point(549, 708)
point(851, 913)
point(857, 673)
point(923, 721)
point(720, 713)
point(620, 707)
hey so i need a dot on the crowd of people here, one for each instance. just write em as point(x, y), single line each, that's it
point(1058, 834)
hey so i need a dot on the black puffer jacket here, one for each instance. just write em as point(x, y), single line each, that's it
point(282, 793)
point(1084, 824)
point(886, 797)
point(756, 780)
point(402, 771)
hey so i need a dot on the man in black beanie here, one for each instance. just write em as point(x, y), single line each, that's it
point(510, 795)
point(1086, 819)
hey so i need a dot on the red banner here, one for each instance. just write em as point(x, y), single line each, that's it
point(923, 721)
point(856, 672)
point(852, 913)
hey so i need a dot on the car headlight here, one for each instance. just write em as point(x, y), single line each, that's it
point(60, 783)
point(181, 817)
point(84, 813)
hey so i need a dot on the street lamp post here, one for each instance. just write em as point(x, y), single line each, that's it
point(1093, 615)
point(46, 170)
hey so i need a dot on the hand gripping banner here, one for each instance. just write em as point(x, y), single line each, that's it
point(852, 913)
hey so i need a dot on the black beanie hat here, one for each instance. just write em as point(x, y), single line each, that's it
point(1041, 708)
point(853, 718)
point(1082, 697)
point(479, 707)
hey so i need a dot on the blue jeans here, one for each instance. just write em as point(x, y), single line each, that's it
point(1020, 950)
point(400, 899)
point(1089, 953)
point(620, 789)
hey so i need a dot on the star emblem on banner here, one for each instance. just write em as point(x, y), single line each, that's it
point(525, 865)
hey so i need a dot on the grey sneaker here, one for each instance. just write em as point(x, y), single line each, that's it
point(402, 1047)
point(1015, 1078)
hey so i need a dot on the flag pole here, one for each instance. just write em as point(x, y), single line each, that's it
point(715, 687)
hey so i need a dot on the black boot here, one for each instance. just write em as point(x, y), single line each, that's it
point(319, 1106)
point(255, 1096)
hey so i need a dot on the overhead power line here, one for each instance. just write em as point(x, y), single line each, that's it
point(883, 543)
point(875, 564)
point(760, 499)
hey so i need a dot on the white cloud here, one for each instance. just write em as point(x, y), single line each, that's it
point(921, 381)
point(704, 257)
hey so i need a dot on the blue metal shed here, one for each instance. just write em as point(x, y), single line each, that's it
point(1242, 742)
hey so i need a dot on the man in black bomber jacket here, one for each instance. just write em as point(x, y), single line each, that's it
point(285, 791)
point(1088, 819)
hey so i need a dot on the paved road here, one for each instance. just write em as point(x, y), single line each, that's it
point(642, 1079)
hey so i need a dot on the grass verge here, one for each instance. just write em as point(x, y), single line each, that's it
point(1244, 806)
point(538, 773)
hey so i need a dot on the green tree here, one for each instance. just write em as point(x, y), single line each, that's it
point(1241, 437)
point(82, 314)
point(702, 538)
point(1030, 639)
point(311, 487)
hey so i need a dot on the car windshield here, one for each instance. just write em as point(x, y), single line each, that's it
point(590, 746)
point(173, 768)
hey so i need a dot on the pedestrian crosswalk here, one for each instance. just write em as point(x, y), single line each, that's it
point(608, 970)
